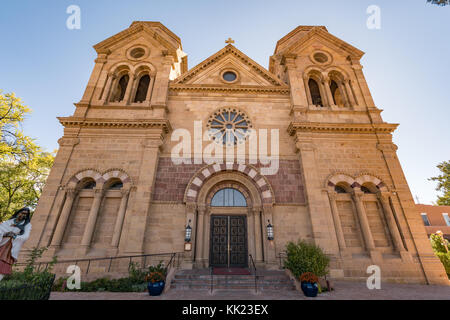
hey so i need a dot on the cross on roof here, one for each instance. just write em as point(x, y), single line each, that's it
point(229, 41)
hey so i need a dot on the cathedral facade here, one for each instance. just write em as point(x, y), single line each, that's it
point(247, 158)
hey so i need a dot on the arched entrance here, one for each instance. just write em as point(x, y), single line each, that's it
point(228, 245)
point(227, 206)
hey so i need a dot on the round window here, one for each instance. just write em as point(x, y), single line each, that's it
point(229, 76)
point(137, 53)
point(320, 57)
point(229, 126)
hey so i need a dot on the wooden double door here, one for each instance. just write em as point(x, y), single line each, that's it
point(228, 242)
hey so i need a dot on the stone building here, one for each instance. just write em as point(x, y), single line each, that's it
point(134, 167)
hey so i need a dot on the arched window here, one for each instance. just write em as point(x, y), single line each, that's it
point(228, 197)
point(339, 189)
point(315, 93)
point(116, 185)
point(142, 89)
point(89, 185)
point(336, 93)
point(119, 92)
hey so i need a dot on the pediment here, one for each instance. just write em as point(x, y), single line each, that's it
point(154, 32)
point(302, 38)
point(209, 72)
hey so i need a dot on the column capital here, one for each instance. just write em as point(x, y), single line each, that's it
point(201, 208)
point(125, 192)
point(332, 194)
point(98, 192)
point(71, 192)
point(357, 195)
point(191, 207)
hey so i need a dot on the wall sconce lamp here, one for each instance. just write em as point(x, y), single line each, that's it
point(269, 231)
point(188, 235)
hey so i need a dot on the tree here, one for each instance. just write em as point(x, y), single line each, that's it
point(439, 2)
point(24, 166)
point(443, 183)
point(21, 183)
point(13, 142)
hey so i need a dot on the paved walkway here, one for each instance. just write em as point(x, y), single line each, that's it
point(343, 291)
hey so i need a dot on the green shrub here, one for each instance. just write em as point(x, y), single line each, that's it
point(304, 257)
point(441, 248)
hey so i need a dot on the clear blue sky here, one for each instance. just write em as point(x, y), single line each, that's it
point(407, 61)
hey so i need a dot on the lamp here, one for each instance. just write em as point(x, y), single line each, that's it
point(269, 231)
point(188, 232)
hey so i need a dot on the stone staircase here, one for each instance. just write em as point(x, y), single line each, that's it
point(201, 280)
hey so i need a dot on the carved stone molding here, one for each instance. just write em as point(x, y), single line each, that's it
point(341, 127)
point(387, 147)
point(68, 142)
point(116, 123)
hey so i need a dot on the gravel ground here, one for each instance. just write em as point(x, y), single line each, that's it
point(343, 291)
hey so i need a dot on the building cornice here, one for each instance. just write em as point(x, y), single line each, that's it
point(341, 127)
point(164, 124)
point(230, 89)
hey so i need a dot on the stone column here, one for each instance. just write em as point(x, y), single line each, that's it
point(384, 199)
point(365, 227)
point(308, 90)
point(330, 99)
point(120, 218)
point(206, 235)
point(150, 89)
point(64, 217)
point(337, 221)
point(258, 239)
point(200, 236)
point(251, 233)
point(349, 93)
point(112, 82)
point(131, 83)
point(92, 219)
point(344, 93)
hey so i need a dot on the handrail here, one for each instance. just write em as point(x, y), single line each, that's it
point(256, 276)
point(89, 260)
point(280, 254)
point(211, 275)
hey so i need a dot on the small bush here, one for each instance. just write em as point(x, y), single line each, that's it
point(441, 248)
point(304, 257)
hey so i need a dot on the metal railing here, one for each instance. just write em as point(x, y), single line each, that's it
point(211, 275)
point(281, 257)
point(173, 259)
point(255, 272)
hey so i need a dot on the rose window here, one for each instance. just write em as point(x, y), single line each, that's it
point(229, 126)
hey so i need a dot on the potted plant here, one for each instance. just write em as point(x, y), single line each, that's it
point(156, 279)
point(309, 284)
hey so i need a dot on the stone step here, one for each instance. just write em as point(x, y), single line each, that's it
point(230, 286)
point(201, 280)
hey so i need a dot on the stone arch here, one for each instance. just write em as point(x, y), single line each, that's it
point(119, 175)
point(120, 66)
point(260, 182)
point(82, 175)
point(370, 180)
point(339, 179)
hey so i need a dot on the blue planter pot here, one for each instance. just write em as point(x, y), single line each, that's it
point(310, 289)
point(155, 289)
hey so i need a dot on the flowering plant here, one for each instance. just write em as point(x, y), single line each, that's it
point(154, 277)
point(309, 277)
